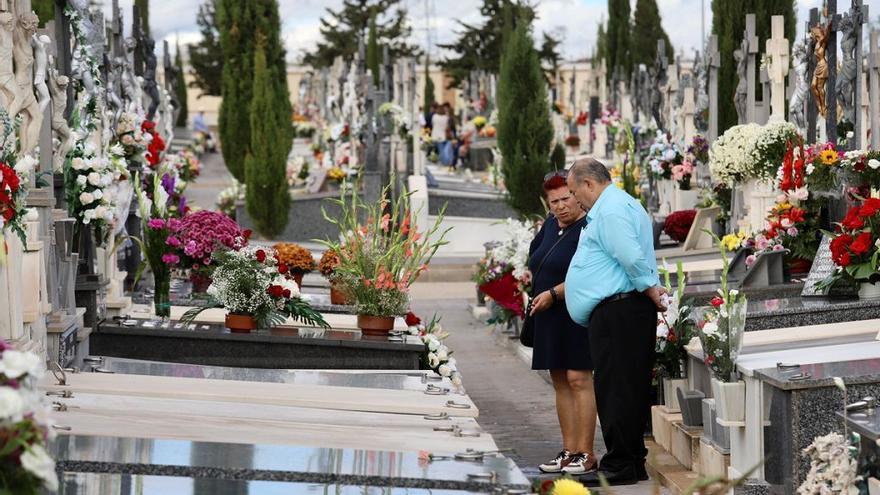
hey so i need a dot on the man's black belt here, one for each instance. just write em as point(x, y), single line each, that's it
point(619, 296)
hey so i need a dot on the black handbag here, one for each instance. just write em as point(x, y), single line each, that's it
point(527, 334)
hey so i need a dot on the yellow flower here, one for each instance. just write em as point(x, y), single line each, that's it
point(564, 486)
point(829, 157)
point(785, 206)
point(732, 242)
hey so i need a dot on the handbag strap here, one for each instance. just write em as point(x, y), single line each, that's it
point(547, 255)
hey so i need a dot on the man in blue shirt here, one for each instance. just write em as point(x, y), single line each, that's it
point(612, 288)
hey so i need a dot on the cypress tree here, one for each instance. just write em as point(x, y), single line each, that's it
point(183, 116)
point(45, 10)
point(373, 50)
point(601, 45)
point(236, 37)
point(648, 26)
point(729, 23)
point(206, 56)
point(429, 88)
point(267, 198)
point(557, 157)
point(524, 130)
point(144, 10)
point(618, 37)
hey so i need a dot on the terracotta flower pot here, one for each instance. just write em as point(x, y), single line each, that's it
point(337, 296)
point(375, 325)
point(240, 323)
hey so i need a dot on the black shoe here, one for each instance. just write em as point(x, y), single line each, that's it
point(613, 478)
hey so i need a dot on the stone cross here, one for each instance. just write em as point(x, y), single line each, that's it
point(138, 36)
point(687, 114)
point(812, 111)
point(874, 91)
point(714, 64)
point(751, 48)
point(777, 66)
point(831, 83)
point(661, 65)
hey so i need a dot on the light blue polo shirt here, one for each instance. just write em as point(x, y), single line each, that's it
point(615, 254)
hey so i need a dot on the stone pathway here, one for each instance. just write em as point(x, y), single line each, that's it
point(516, 404)
point(211, 180)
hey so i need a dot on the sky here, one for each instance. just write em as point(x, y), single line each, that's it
point(574, 20)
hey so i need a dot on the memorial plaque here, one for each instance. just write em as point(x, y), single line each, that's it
point(822, 267)
point(317, 181)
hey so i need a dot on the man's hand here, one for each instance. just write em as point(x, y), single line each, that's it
point(656, 294)
point(541, 302)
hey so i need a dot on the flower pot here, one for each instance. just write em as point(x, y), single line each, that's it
point(730, 401)
point(298, 278)
point(375, 325)
point(670, 393)
point(869, 291)
point(686, 200)
point(240, 323)
point(337, 296)
point(200, 283)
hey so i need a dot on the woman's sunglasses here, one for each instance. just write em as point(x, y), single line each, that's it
point(558, 173)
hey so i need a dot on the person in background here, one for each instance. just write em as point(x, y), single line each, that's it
point(452, 133)
point(561, 345)
point(199, 124)
point(612, 287)
point(440, 130)
point(203, 133)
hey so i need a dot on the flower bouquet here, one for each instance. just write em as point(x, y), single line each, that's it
point(682, 173)
point(862, 170)
point(720, 328)
point(770, 147)
point(821, 163)
point(382, 256)
point(678, 224)
point(155, 146)
point(675, 329)
point(14, 181)
point(698, 150)
point(25, 465)
point(298, 259)
point(256, 290)
point(833, 466)
point(436, 357)
point(854, 249)
point(90, 185)
point(160, 243)
point(336, 174)
point(730, 156)
point(662, 156)
point(227, 198)
point(198, 236)
point(131, 138)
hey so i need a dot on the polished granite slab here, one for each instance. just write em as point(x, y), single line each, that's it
point(87, 454)
point(816, 375)
point(865, 422)
point(395, 379)
point(134, 484)
point(287, 348)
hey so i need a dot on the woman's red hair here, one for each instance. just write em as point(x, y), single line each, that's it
point(555, 182)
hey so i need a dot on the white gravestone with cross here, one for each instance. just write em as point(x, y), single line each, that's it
point(777, 67)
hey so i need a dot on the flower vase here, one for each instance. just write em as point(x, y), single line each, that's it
point(686, 199)
point(298, 278)
point(730, 401)
point(240, 323)
point(200, 282)
point(378, 326)
point(337, 296)
point(666, 196)
point(670, 393)
point(162, 295)
point(869, 291)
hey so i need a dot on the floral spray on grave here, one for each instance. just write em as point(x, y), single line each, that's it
point(675, 328)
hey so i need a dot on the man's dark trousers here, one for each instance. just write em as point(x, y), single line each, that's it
point(622, 340)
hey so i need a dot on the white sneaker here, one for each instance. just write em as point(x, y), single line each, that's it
point(557, 464)
point(579, 464)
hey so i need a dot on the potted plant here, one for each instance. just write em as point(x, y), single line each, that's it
point(296, 258)
point(160, 243)
point(854, 249)
point(384, 254)
point(256, 290)
point(327, 267)
point(675, 329)
point(720, 329)
point(200, 234)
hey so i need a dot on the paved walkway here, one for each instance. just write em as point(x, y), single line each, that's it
point(517, 405)
point(212, 179)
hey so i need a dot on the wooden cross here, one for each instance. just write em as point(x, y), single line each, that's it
point(812, 108)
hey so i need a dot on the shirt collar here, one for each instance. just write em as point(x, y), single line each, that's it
point(591, 215)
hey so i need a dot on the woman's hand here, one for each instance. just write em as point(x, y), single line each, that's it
point(542, 302)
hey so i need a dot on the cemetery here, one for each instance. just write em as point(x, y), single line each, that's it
point(296, 336)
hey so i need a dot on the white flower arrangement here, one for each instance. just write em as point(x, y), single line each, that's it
point(514, 249)
point(437, 356)
point(93, 185)
point(833, 467)
point(769, 148)
point(730, 156)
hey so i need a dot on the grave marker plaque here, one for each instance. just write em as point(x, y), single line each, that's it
point(822, 267)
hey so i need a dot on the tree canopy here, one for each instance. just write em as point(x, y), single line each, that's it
point(647, 29)
point(341, 29)
point(206, 56)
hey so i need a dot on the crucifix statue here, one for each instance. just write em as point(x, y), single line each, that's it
point(777, 67)
point(150, 86)
point(797, 104)
point(819, 34)
point(23, 56)
point(741, 93)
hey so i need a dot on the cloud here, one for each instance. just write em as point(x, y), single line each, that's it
point(575, 20)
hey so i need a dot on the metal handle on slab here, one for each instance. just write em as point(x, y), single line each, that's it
point(436, 417)
point(65, 394)
point(452, 428)
point(460, 434)
point(102, 370)
point(62, 427)
point(865, 403)
point(491, 476)
point(93, 359)
point(783, 366)
point(61, 407)
point(800, 377)
point(59, 374)
point(457, 405)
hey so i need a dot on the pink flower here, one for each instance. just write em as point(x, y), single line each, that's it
point(750, 260)
point(792, 231)
point(170, 259)
point(778, 247)
point(172, 241)
point(190, 248)
point(761, 243)
point(173, 224)
point(156, 223)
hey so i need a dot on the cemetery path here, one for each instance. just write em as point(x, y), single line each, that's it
point(213, 178)
point(517, 406)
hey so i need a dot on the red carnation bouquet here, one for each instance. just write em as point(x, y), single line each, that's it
point(678, 224)
point(854, 248)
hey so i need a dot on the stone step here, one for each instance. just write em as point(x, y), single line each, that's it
point(686, 445)
point(662, 425)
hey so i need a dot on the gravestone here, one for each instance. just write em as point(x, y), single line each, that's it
point(777, 67)
point(822, 268)
point(750, 52)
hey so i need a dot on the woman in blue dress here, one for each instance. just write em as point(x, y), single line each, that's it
point(560, 344)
